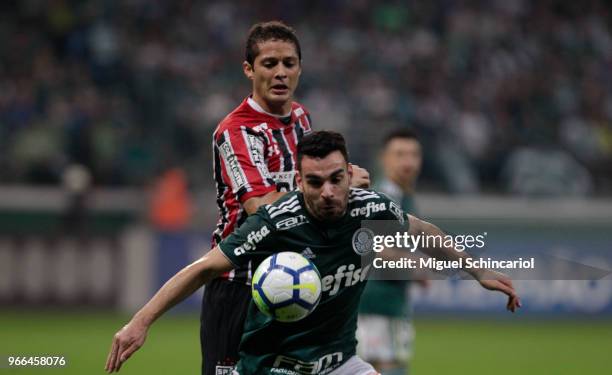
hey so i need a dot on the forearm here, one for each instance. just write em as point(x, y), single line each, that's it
point(252, 204)
point(175, 290)
point(444, 252)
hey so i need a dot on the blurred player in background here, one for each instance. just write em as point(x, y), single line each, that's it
point(254, 164)
point(323, 342)
point(385, 331)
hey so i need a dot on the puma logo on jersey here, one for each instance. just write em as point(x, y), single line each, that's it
point(253, 239)
point(368, 209)
point(345, 276)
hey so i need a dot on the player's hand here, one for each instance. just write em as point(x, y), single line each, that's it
point(129, 339)
point(494, 280)
point(361, 177)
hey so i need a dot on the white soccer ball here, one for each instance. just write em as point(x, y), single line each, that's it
point(286, 286)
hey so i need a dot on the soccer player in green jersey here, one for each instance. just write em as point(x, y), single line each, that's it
point(385, 329)
point(320, 219)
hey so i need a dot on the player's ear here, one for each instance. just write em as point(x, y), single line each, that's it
point(298, 180)
point(247, 69)
point(349, 170)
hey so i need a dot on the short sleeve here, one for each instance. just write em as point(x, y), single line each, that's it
point(392, 211)
point(242, 155)
point(253, 238)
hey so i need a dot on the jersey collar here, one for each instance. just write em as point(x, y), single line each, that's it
point(256, 107)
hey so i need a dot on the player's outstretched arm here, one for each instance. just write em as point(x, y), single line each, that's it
point(132, 336)
point(489, 279)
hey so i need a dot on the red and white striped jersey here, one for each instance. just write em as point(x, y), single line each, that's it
point(254, 154)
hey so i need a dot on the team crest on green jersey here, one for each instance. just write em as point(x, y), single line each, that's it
point(363, 241)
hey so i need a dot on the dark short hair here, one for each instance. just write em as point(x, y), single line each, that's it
point(319, 144)
point(399, 133)
point(272, 30)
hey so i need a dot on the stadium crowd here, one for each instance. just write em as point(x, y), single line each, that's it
point(510, 96)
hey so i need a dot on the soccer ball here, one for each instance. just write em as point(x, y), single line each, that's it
point(286, 286)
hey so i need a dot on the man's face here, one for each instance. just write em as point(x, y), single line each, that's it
point(275, 74)
point(325, 184)
point(402, 160)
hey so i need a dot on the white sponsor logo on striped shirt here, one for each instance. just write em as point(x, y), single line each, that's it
point(235, 172)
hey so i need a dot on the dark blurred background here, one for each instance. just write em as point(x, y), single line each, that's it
point(508, 96)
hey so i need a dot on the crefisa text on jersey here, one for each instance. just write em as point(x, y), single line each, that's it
point(368, 209)
point(345, 276)
point(253, 239)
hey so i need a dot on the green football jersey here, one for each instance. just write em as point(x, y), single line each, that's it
point(325, 339)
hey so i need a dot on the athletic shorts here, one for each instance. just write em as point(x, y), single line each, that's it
point(224, 309)
point(354, 366)
point(384, 339)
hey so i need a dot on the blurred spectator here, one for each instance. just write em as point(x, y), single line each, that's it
point(76, 183)
point(546, 171)
point(121, 86)
point(170, 202)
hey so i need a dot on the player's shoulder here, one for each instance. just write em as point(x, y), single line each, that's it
point(359, 196)
point(299, 109)
point(372, 204)
point(286, 212)
point(242, 117)
point(301, 116)
point(288, 204)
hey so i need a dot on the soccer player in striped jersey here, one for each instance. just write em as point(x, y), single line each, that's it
point(254, 163)
point(324, 216)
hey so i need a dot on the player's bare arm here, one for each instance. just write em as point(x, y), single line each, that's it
point(132, 336)
point(489, 279)
point(252, 204)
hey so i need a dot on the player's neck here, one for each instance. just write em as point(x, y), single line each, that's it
point(261, 106)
